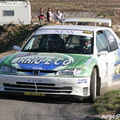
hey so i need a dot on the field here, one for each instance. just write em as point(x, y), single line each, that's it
point(80, 8)
point(109, 6)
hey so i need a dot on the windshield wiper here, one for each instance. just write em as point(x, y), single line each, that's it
point(32, 50)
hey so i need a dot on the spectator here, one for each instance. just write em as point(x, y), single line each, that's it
point(58, 16)
point(41, 16)
point(49, 15)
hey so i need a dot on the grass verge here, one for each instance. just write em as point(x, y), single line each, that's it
point(108, 103)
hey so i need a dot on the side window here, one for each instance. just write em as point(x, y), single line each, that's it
point(8, 13)
point(112, 41)
point(101, 42)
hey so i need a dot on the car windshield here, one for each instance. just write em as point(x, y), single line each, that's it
point(61, 43)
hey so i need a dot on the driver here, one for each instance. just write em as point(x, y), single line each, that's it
point(54, 42)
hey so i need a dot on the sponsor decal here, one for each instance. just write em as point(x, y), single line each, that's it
point(44, 60)
point(81, 81)
point(35, 81)
point(37, 68)
point(87, 32)
point(64, 31)
point(116, 75)
point(116, 78)
point(85, 19)
point(25, 54)
point(89, 61)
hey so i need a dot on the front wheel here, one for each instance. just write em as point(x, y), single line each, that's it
point(93, 87)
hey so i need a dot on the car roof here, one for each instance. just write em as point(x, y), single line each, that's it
point(90, 20)
point(71, 27)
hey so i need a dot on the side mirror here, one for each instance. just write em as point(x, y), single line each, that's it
point(16, 48)
point(103, 53)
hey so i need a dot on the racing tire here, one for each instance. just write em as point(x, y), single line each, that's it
point(93, 87)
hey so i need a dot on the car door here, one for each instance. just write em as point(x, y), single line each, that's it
point(106, 55)
point(114, 55)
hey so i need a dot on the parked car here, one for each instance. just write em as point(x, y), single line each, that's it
point(63, 60)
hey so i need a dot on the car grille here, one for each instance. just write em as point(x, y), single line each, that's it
point(36, 87)
point(36, 72)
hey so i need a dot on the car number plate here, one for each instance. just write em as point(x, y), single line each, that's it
point(34, 94)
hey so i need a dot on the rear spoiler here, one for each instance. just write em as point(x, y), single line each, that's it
point(90, 20)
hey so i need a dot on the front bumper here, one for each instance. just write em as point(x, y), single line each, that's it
point(44, 86)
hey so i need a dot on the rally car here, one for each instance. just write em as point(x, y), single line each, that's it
point(63, 60)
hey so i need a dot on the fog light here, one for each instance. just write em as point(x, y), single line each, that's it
point(85, 91)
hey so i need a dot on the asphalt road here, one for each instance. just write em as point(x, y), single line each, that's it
point(35, 108)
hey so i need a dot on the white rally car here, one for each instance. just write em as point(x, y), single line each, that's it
point(64, 60)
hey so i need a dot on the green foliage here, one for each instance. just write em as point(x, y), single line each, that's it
point(109, 102)
point(102, 14)
point(105, 14)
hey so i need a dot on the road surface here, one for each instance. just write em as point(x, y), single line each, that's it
point(35, 108)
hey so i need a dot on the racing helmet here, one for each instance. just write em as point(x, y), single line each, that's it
point(54, 41)
point(86, 41)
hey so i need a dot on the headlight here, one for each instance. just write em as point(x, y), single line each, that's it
point(69, 72)
point(8, 69)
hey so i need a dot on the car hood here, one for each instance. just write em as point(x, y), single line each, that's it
point(47, 61)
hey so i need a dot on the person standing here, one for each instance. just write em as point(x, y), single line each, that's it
point(41, 16)
point(49, 15)
point(58, 16)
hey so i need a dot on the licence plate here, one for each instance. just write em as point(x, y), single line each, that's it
point(34, 94)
